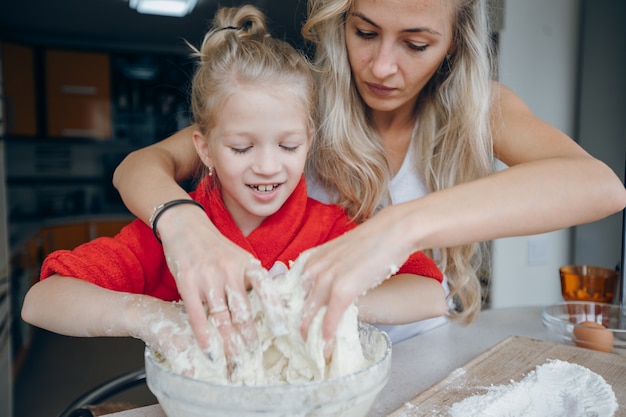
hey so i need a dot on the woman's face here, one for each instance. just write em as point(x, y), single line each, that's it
point(395, 46)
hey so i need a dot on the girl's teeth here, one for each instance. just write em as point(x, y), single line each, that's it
point(264, 188)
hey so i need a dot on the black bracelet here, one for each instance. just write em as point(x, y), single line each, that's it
point(158, 210)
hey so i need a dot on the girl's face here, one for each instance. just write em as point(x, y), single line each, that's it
point(257, 149)
point(395, 46)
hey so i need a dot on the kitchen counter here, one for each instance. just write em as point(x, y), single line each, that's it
point(424, 360)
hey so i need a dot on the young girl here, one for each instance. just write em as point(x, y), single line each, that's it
point(411, 124)
point(253, 101)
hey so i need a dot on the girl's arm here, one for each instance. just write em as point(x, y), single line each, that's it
point(73, 307)
point(405, 298)
point(551, 183)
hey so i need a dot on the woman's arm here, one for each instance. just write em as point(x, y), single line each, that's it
point(402, 299)
point(551, 183)
point(148, 177)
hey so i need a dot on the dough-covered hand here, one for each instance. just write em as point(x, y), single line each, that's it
point(211, 273)
point(164, 327)
point(338, 272)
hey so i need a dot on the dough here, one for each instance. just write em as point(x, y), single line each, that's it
point(286, 359)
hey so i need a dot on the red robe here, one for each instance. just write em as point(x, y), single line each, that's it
point(133, 261)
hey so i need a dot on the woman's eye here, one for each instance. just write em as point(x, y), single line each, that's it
point(365, 35)
point(417, 47)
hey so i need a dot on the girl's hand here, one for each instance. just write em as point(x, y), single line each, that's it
point(164, 327)
point(212, 273)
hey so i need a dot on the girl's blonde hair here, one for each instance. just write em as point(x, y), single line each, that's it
point(238, 51)
point(451, 141)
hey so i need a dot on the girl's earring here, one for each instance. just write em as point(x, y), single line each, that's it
point(210, 171)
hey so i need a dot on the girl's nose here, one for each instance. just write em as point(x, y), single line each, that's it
point(268, 163)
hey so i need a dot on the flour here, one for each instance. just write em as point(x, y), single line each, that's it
point(284, 359)
point(555, 389)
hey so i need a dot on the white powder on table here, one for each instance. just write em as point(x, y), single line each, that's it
point(555, 389)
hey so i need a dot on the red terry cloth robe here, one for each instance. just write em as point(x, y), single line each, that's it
point(133, 261)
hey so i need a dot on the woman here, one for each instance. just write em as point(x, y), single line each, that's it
point(411, 124)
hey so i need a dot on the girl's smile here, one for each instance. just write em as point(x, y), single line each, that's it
point(264, 188)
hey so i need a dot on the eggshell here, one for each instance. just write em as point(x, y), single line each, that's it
point(591, 335)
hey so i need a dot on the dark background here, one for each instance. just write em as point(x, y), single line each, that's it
point(113, 24)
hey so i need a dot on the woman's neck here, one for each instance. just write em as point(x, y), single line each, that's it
point(395, 130)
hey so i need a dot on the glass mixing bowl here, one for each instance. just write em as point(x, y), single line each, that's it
point(348, 396)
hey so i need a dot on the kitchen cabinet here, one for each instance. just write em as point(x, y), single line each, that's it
point(109, 228)
point(68, 236)
point(130, 97)
point(78, 95)
point(63, 237)
point(19, 89)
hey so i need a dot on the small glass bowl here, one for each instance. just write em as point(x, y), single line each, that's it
point(597, 326)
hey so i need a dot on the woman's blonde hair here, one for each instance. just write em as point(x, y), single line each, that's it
point(451, 141)
point(238, 51)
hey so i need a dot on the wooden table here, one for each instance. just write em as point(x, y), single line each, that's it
point(423, 361)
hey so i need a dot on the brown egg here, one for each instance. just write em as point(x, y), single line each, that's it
point(591, 335)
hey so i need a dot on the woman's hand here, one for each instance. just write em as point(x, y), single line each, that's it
point(212, 271)
point(339, 271)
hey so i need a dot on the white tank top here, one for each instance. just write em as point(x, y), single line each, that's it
point(405, 186)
